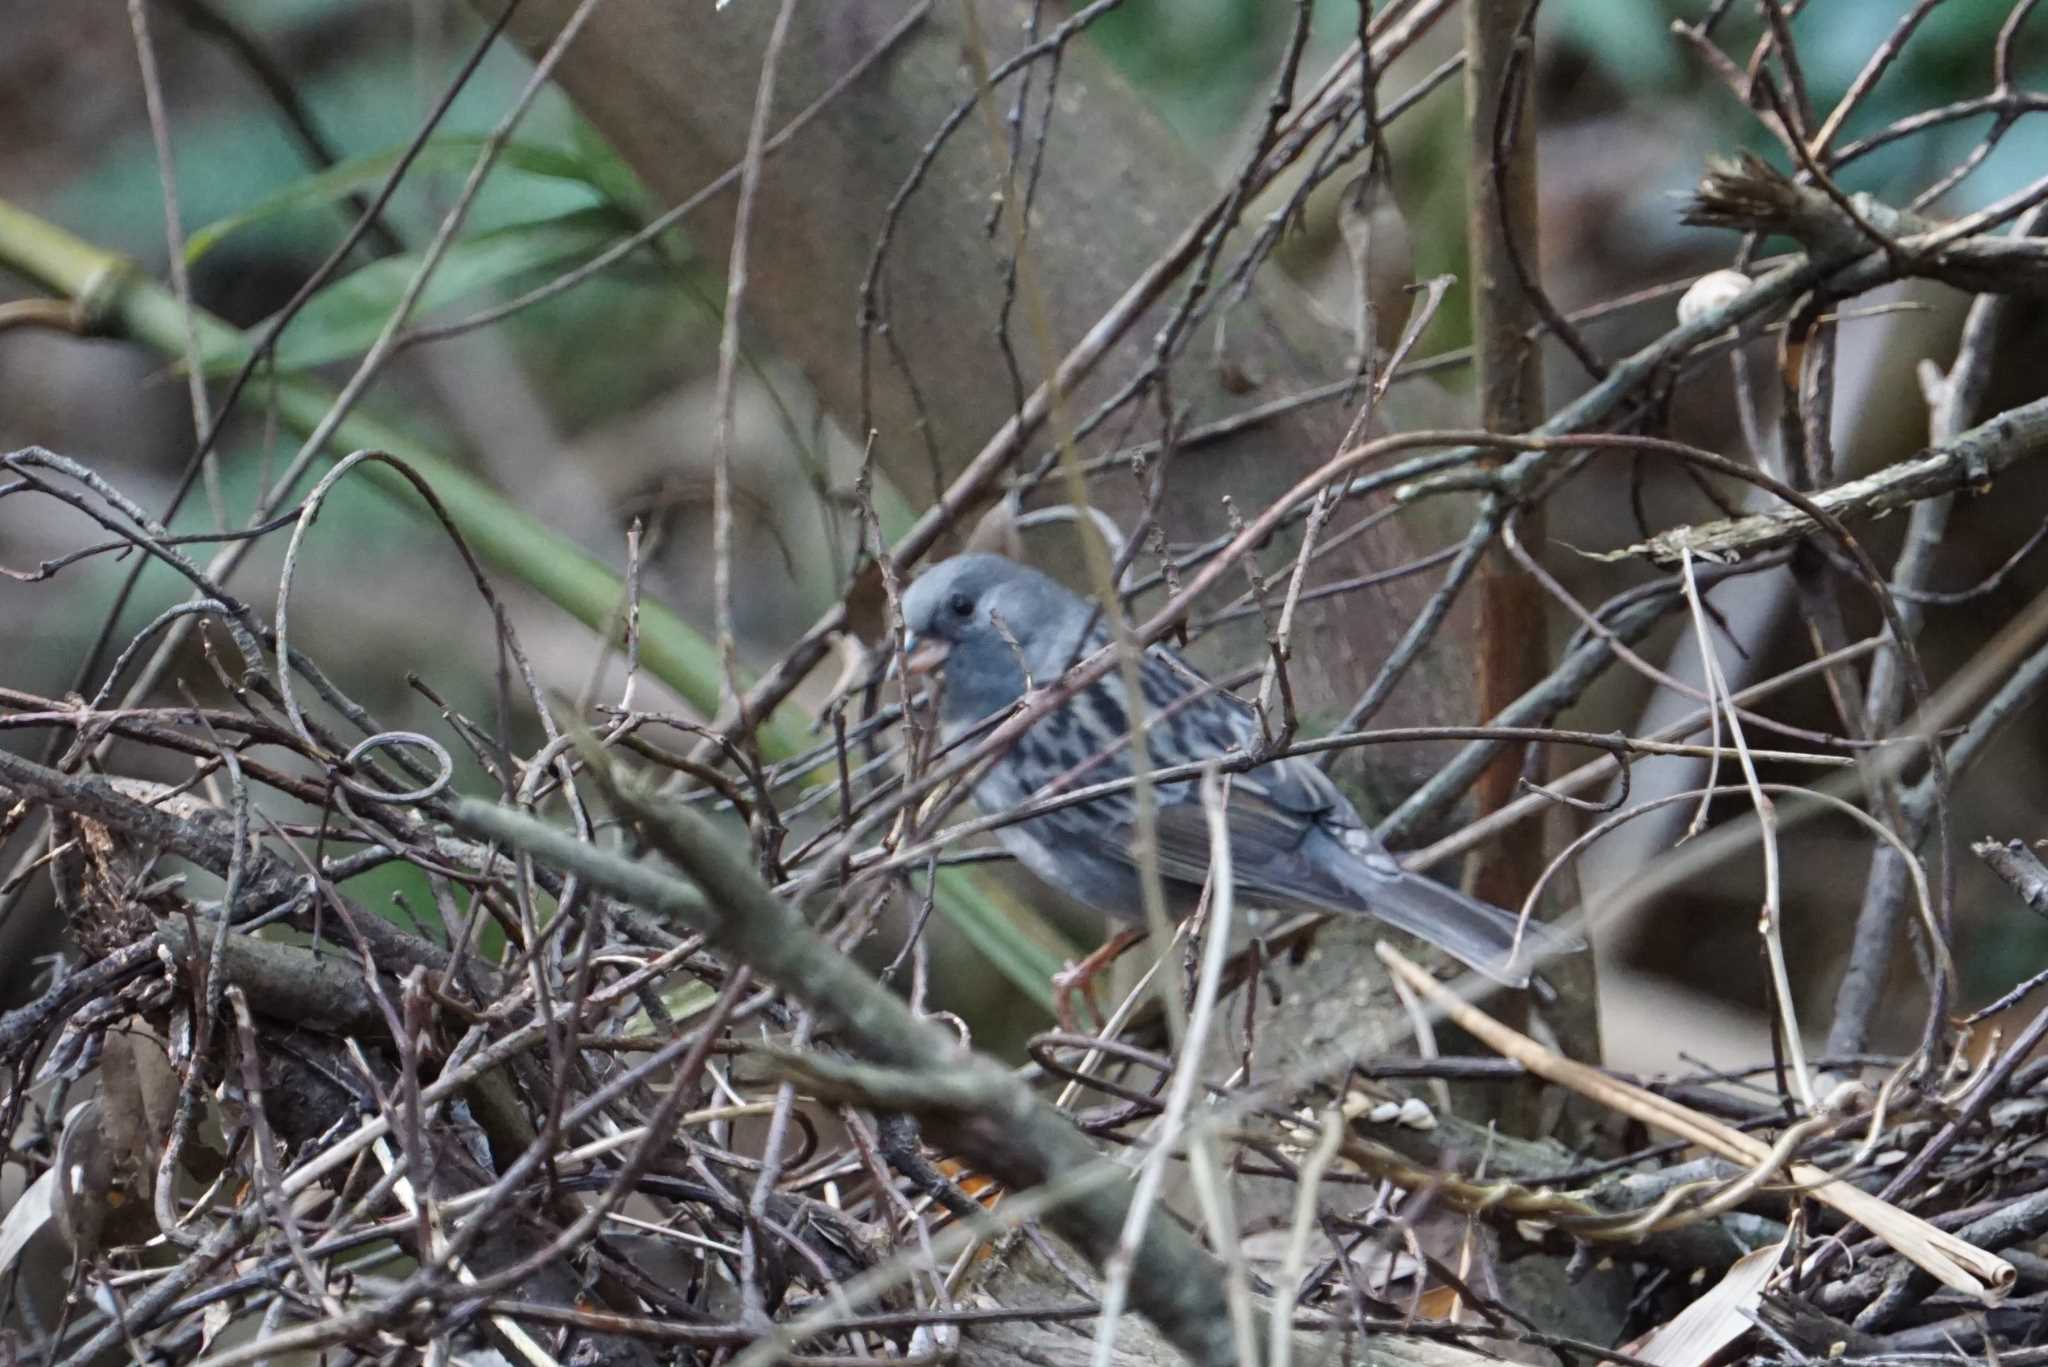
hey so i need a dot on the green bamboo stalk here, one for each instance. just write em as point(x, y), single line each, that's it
point(115, 298)
point(120, 301)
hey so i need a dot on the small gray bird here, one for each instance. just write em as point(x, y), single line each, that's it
point(995, 629)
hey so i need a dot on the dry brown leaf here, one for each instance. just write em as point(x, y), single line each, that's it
point(138, 1098)
point(1707, 1328)
point(27, 1217)
point(1382, 259)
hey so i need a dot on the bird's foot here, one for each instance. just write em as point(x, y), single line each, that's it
point(1067, 984)
point(1079, 980)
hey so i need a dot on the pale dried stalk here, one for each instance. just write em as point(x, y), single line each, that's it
point(731, 693)
point(1129, 1007)
point(174, 241)
point(1953, 1262)
point(1279, 1341)
point(1767, 822)
point(1174, 1121)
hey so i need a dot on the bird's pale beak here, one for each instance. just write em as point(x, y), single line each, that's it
point(924, 656)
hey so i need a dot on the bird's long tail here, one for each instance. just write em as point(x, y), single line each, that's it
point(1477, 934)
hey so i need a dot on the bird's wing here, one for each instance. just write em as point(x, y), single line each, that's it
point(1294, 838)
point(1292, 789)
point(1282, 857)
point(1187, 719)
point(1261, 836)
point(1267, 845)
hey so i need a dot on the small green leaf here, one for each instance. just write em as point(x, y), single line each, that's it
point(345, 178)
point(345, 318)
point(598, 166)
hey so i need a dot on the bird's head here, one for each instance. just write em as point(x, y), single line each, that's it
point(988, 625)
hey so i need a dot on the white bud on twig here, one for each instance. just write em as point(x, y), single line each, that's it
point(1710, 293)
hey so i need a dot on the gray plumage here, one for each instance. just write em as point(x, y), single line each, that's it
point(1294, 839)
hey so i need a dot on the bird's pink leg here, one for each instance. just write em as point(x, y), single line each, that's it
point(1080, 978)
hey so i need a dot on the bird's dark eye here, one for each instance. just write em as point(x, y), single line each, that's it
point(961, 604)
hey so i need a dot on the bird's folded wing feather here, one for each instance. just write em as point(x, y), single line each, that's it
point(1294, 838)
point(1267, 854)
point(1279, 857)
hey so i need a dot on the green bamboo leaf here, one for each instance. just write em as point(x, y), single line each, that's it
point(605, 171)
point(1021, 945)
point(344, 318)
point(368, 172)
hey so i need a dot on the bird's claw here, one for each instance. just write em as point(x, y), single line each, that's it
point(1080, 978)
point(1077, 979)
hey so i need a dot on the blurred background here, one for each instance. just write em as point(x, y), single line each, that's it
point(594, 408)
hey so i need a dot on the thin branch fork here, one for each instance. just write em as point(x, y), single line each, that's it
point(1968, 462)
